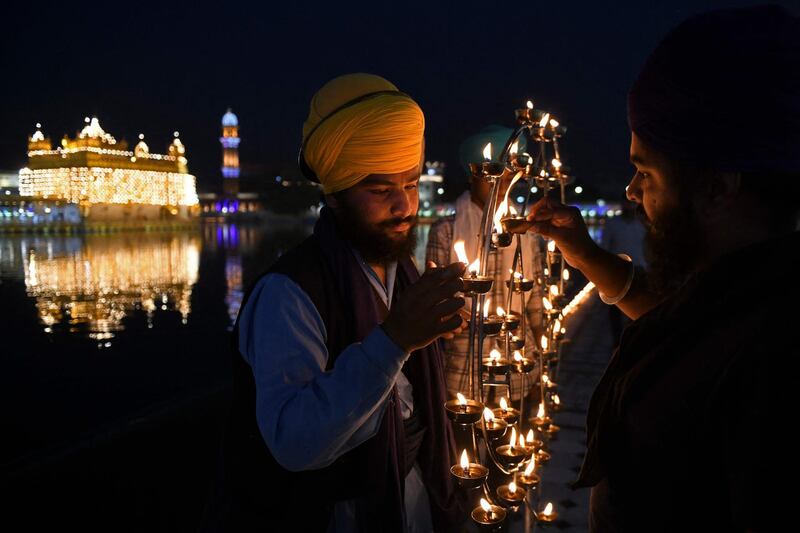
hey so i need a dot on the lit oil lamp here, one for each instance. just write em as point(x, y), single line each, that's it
point(469, 475)
point(550, 313)
point(542, 420)
point(548, 383)
point(495, 427)
point(532, 441)
point(510, 320)
point(555, 403)
point(525, 115)
point(514, 343)
point(520, 284)
point(495, 363)
point(492, 324)
point(542, 457)
point(511, 494)
point(522, 364)
point(529, 478)
point(473, 283)
point(548, 515)
point(489, 517)
point(512, 453)
point(509, 414)
point(463, 411)
point(539, 131)
point(486, 168)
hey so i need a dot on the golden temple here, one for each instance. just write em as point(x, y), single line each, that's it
point(108, 181)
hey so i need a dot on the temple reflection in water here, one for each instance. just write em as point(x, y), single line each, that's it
point(91, 283)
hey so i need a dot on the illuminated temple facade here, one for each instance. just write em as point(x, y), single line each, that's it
point(108, 181)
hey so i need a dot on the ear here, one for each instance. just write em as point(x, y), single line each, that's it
point(722, 189)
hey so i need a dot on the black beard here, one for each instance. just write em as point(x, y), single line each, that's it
point(673, 246)
point(376, 243)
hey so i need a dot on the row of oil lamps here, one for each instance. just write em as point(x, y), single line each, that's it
point(520, 456)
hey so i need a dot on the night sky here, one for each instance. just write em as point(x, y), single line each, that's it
point(159, 68)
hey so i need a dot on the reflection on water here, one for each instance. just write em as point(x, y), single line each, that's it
point(96, 280)
point(87, 285)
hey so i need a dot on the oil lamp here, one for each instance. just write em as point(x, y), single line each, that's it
point(509, 414)
point(489, 517)
point(469, 475)
point(547, 515)
point(495, 427)
point(463, 411)
point(511, 494)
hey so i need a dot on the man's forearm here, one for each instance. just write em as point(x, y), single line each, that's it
point(609, 273)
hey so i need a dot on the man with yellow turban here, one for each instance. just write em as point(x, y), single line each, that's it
point(338, 421)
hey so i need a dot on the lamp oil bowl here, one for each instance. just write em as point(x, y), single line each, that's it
point(547, 515)
point(529, 479)
point(515, 224)
point(488, 517)
point(477, 284)
point(522, 364)
point(511, 321)
point(502, 240)
point(492, 325)
point(469, 475)
point(495, 365)
point(463, 411)
point(495, 427)
point(511, 494)
point(510, 456)
point(542, 457)
point(509, 414)
point(487, 169)
point(520, 284)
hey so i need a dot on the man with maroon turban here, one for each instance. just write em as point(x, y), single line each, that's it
point(688, 428)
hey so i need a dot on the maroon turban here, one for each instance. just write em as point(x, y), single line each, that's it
point(723, 90)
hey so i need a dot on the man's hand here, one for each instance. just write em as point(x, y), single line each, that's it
point(566, 227)
point(428, 309)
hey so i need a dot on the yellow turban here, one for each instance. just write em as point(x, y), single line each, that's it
point(360, 124)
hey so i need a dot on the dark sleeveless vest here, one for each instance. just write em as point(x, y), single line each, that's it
point(261, 494)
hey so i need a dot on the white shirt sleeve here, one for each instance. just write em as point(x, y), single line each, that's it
point(309, 417)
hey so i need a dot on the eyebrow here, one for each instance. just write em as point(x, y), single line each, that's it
point(636, 159)
point(382, 181)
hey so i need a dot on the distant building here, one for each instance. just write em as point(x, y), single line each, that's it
point(107, 181)
point(232, 202)
point(431, 189)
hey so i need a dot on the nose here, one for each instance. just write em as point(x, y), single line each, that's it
point(401, 203)
point(634, 189)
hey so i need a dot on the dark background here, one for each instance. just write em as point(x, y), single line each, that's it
point(154, 69)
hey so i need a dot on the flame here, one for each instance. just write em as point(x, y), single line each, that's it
point(503, 404)
point(464, 460)
point(521, 441)
point(530, 437)
point(475, 266)
point(531, 466)
point(548, 510)
point(487, 152)
point(512, 488)
point(486, 307)
point(517, 275)
point(546, 303)
point(551, 246)
point(540, 413)
point(461, 252)
point(488, 415)
point(501, 311)
point(556, 399)
point(513, 437)
point(517, 356)
point(556, 163)
point(542, 173)
point(485, 505)
point(554, 290)
point(529, 104)
point(494, 355)
point(545, 120)
point(565, 274)
point(545, 379)
point(563, 330)
point(553, 123)
point(461, 399)
point(546, 271)
point(557, 325)
point(502, 209)
point(543, 342)
point(514, 148)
